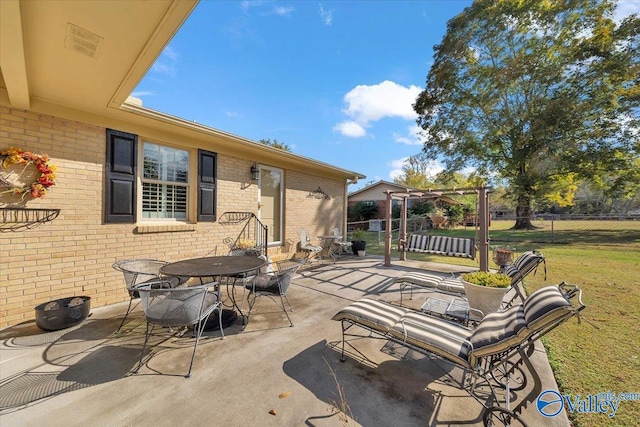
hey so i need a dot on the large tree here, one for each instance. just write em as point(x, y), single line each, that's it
point(533, 91)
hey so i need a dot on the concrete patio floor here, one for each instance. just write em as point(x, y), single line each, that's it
point(267, 375)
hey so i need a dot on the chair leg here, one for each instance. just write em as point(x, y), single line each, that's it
point(251, 300)
point(144, 346)
point(125, 315)
point(285, 310)
point(199, 327)
point(287, 299)
point(220, 321)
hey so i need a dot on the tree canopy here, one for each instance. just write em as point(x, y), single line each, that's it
point(540, 94)
point(275, 144)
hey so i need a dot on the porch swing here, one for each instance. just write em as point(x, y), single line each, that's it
point(462, 247)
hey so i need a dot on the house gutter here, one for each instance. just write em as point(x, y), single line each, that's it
point(251, 146)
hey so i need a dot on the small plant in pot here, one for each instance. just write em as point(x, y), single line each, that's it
point(357, 241)
point(484, 290)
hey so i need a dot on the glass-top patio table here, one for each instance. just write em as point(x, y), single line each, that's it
point(216, 267)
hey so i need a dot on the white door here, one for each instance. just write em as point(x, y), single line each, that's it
point(270, 201)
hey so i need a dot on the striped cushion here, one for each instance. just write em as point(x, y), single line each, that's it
point(375, 314)
point(417, 242)
point(442, 245)
point(523, 265)
point(499, 331)
point(545, 306)
point(452, 285)
point(461, 247)
point(439, 245)
point(311, 248)
point(436, 335)
point(419, 279)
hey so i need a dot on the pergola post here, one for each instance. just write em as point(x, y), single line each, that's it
point(483, 219)
point(403, 227)
point(387, 232)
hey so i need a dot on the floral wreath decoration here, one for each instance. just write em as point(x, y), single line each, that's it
point(38, 188)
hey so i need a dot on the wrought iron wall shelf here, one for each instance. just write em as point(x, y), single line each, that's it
point(16, 219)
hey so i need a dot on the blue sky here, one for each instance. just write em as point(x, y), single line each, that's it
point(333, 80)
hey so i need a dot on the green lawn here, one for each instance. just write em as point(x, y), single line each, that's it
point(603, 257)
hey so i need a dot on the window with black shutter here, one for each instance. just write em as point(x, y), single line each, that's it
point(120, 179)
point(206, 186)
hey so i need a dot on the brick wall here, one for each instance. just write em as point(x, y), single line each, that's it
point(73, 254)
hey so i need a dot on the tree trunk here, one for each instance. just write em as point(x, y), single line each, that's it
point(523, 212)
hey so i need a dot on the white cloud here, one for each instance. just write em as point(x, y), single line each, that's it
point(366, 104)
point(167, 62)
point(350, 129)
point(283, 11)
point(412, 137)
point(326, 16)
point(234, 114)
point(625, 8)
point(396, 168)
point(247, 4)
point(142, 93)
point(433, 168)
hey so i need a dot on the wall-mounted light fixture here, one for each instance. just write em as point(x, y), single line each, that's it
point(255, 172)
point(318, 194)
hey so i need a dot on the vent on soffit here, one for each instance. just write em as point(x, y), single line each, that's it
point(82, 41)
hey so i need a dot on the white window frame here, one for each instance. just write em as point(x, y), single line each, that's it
point(143, 181)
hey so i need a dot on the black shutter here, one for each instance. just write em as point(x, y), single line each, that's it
point(206, 186)
point(120, 177)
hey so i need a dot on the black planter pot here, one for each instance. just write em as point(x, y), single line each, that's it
point(62, 313)
point(358, 246)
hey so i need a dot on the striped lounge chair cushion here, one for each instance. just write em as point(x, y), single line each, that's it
point(435, 335)
point(523, 265)
point(451, 285)
point(420, 279)
point(544, 306)
point(499, 331)
point(375, 314)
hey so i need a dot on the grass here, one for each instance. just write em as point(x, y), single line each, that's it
point(601, 353)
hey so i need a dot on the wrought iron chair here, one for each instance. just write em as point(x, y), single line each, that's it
point(305, 245)
point(340, 245)
point(272, 285)
point(179, 308)
point(138, 271)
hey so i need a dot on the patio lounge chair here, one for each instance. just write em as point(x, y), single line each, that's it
point(273, 284)
point(179, 308)
point(484, 351)
point(526, 263)
point(136, 272)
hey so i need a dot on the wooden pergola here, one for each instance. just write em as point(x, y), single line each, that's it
point(482, 194)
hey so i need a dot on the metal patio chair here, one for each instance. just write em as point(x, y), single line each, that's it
point(273, 285)
point(138, 271)
point(179, 308)
point(306, 246)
